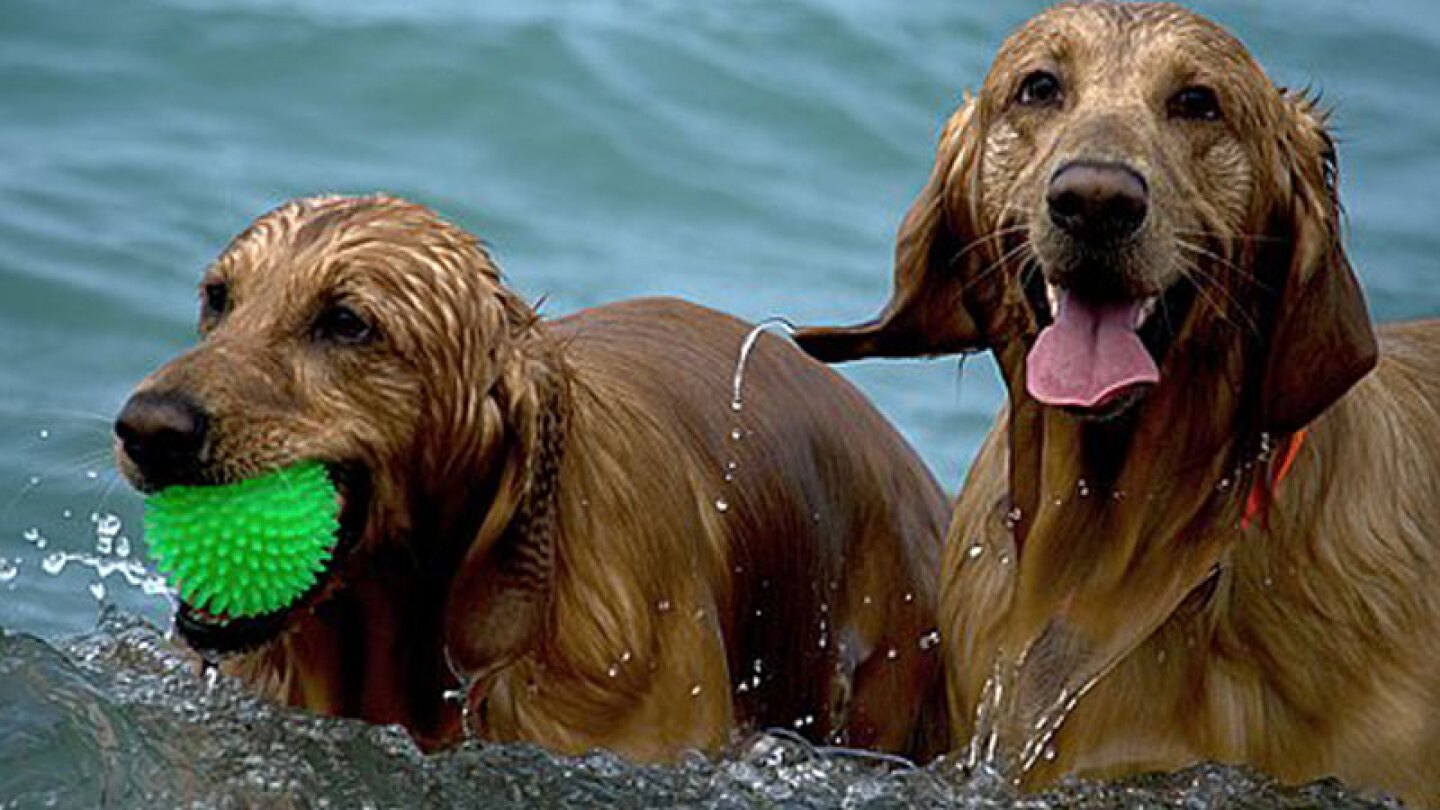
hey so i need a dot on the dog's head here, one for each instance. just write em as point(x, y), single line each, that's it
point(363, 333)
point(1127, 180)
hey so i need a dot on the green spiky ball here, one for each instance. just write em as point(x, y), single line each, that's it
point(248, 548)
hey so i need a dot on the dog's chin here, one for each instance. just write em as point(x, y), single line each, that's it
point(216, 636)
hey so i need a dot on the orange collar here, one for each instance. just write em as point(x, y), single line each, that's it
point(1262, 493)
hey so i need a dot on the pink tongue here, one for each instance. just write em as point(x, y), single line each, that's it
point(1089, 354)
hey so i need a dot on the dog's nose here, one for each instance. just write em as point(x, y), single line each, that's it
point(163, 432)
point(1097, 202)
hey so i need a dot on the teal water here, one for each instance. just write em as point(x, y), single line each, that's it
point(753, 156)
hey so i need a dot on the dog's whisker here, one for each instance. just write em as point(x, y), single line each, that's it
point(1232, 237)
point(982, 241)
point(1244, 273)
point(1190, 270)
point(1005, 258)
point(1219, 285)
point(86, 461)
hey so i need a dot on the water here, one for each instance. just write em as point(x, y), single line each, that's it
point(115, 718)
point(754, 156)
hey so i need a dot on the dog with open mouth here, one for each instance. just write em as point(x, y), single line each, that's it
point(1205, 527)
point(566, 525)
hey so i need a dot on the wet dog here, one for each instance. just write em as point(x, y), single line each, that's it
point(565, 522)
point(1205, 526)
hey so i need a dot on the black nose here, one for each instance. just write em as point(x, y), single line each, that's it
point(1097, 202)
point(163, 432)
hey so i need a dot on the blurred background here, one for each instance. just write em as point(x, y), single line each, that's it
point(751, 155)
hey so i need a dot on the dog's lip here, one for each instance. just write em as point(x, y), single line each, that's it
point(218, 635)
point(1147, 307)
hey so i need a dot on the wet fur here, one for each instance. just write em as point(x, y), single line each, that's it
point(1105, 564)
point(543, 533)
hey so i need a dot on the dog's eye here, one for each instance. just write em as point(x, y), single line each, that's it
point(341, 324)
point(1039, 88)
point(216, 295)
point(1195, 103)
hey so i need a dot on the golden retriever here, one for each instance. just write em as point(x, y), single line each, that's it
point(1202, 529)
point(564, 524)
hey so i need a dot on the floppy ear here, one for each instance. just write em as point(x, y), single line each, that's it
point(1321, 340)
point(925, 315)
point(500, 595)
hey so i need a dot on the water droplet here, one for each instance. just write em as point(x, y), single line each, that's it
point(44, 434)
point(736, 435)
point(929, 640)
point(909, 597)
point(722, 505)
point(663, 606)
point(613, 670)
point(108, 524)
point(34, 480)
point(1083, 488)
point(736, 405)
point(1013, 517)
point(1223, 484)
point(743, 687)
point(1059, 502)
point(97, 590)
point(975, 550)
point(92, 475)
point(1004, 559)
point(695, 690)
point(67, 514)
point(9, 569)
point(757, 665)
point(891, 654)
point(1049, 753)
point(1269, 582)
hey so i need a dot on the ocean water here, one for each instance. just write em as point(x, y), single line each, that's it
point(752, 156)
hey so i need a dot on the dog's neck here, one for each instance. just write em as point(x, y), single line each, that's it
point(1115, 525)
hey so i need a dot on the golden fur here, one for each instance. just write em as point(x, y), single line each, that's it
point(559, 521)
point(1106, 608)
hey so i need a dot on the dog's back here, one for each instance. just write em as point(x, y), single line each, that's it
point(829, 524)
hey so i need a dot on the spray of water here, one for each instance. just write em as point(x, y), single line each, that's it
point(737, 395)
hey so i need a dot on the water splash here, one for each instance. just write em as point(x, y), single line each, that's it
point(737, 395)
point(747, 346)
